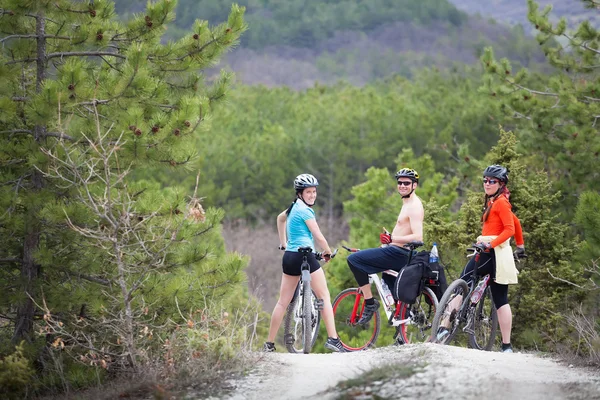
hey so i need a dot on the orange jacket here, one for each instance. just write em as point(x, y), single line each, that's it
point(501, 222)
point(518, 231)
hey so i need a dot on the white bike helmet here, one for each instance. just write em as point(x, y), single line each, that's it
point(304, 181)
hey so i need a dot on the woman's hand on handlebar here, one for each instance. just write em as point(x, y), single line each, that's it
point(326, 255)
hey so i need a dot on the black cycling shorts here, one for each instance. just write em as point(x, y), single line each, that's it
point(292, 263)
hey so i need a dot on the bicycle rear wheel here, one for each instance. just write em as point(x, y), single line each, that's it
point(421, 314)
point(347, 310)
point(448, 311)
point(293, 324)
point(307, 314)
point(484, 323)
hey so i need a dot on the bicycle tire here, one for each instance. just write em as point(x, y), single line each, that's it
point(458, 287)
point(421, 312)
point(485, 323)
point(307, 313)
point(354, 337)
point(293, 324)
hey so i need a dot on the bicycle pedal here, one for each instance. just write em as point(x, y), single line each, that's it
point(289, 339)
point(319, 304)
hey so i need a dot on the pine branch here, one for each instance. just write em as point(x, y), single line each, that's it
point(59, 135)
point(198, 50)
point(24, 60)
point(109, 64)
point(33, 36)
point(84, 54)
point(11, 260)
point(70, 54)
point(86, 11)
point(4, 316)
point(174, 163)
point(18, 131)
point(91, 278)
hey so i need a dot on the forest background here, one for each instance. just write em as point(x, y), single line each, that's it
point(140, 182)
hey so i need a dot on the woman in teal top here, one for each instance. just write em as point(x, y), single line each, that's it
point(297, 227)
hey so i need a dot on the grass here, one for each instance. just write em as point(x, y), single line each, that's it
point(366, 384)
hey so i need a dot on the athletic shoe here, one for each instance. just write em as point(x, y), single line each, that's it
point(335, 345)
point(368, 312)
point(506, 348)
point(398, 340)
point(442, 334)
point(269, 347)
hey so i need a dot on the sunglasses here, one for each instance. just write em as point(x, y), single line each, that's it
point(404, 183)
point(490, 181)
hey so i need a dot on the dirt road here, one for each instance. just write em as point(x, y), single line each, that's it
point(417, 371)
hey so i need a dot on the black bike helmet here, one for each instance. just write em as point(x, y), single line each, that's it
point(408, 173)
point(496, 171)
point(304, 181)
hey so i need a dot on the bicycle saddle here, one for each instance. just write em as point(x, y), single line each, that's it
point(414, 245)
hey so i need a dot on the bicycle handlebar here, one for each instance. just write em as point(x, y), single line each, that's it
point(480, 248)
point(351, 249)
point(320, 256)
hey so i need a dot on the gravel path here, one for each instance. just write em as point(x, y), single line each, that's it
point(440, 372)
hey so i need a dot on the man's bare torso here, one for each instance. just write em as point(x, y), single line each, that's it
point(412, 208)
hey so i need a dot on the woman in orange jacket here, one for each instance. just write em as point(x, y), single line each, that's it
point(499, 225)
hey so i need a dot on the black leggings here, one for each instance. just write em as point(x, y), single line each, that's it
point(487, 265)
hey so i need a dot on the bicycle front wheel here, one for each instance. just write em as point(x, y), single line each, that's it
point(448, 311)
point(294, 323)
point(420, 316)
point(484, 323)
point(347, 310)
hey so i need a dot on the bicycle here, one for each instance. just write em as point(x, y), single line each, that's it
point(412, 321)
point(303, 317)
point(476, 312)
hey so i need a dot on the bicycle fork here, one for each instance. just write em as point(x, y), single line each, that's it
point(470, 323)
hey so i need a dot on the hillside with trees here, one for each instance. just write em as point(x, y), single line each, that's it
point(515, 11)
point(139, 186)
point(294, 44)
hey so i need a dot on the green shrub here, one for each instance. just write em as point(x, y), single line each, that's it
point(15, 374)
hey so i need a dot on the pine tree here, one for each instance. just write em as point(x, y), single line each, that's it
point(557, 116)
point(61, 62)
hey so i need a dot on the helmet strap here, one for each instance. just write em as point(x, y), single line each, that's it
point(304, 201)
point(408, 195)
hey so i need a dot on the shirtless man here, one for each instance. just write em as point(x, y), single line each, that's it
point(409, 228)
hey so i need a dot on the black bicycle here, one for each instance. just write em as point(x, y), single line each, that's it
point(303, 317)
point(471, 306)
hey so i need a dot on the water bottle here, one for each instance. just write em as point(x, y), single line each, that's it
point(433, 254)
point(387, 294)
point(478, 292)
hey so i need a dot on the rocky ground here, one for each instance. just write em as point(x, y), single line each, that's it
point(413, 372)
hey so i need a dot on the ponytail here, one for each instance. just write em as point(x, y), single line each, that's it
point(287, 212)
